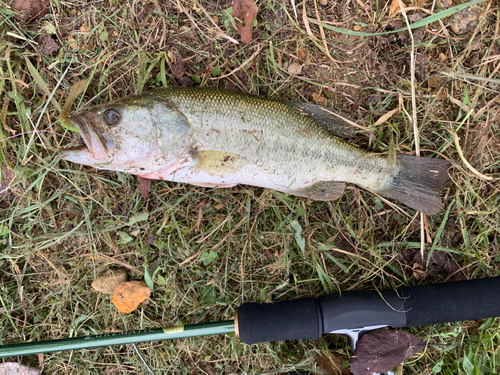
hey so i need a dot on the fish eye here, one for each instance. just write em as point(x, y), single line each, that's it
point(111, 116)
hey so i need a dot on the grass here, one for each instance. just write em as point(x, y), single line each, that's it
point(214, 249)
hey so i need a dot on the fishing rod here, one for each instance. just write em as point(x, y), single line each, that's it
point(351, 313)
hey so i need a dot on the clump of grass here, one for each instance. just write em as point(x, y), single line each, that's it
point(214, 249)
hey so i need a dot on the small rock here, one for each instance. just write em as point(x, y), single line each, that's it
point(294, 68)
point(107, 284)
point(128, 295)
point(151, 239)
point(414, 17)
point(14, 368)
point(465, 20)
point(446, 3)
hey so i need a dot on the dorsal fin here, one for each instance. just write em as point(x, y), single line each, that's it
point(331, 120)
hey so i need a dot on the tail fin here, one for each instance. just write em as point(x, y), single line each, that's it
point(418, 183)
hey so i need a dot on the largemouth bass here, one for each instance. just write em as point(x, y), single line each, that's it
point(218, 138)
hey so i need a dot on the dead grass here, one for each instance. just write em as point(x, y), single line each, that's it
point(71, 224)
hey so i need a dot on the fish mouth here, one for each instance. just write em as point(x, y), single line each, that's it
point(91, 150)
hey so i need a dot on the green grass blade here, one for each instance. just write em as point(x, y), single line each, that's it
point(423, 22)
point(41, 83)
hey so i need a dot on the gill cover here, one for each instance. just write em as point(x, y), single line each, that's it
point(138, 134)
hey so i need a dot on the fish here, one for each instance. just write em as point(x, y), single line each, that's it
point(219, 138)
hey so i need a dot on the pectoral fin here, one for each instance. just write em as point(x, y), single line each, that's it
point(218, 162)
point(321, 191)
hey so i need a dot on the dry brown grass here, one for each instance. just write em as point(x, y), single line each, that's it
point(70, 223)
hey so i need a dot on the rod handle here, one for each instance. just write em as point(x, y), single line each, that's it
point(451, 302)
point(362, 310)
point(286, 320)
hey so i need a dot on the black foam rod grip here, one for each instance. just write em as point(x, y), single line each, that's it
point(288, 320)
point(451, 302)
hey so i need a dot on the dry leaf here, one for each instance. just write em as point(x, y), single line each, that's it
point(395, 7)
point(180, 71)
point(29, 10)
point(128, 295)
point(382, 350)
point(386, 117)
point(435, 82)
point(332, 363)
point(320, 99)
point(144, 186)
point(301, 54)
point(421, 65)
point(440, 263)
point(418, 271)
point(418, 3)
point(107, 284)
point(72, 43)
point(47, 44)
point(8, 191)
point(14, 368)
point(244, 12)
point(151, 239)
point(446, 3)
point(356, 27)
point(6, 179)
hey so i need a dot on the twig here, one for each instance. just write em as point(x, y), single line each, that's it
point(306, 22)
point(322, 33)
point(471, 168)
point(164, 33)
point(444, 36)
point(221, 33)
point(241, 65)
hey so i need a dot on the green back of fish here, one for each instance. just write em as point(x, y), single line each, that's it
point(256, 126)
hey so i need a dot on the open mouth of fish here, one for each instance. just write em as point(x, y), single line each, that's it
point(89, 144)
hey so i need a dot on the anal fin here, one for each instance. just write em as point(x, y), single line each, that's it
point(321, 191)
point(213, 184)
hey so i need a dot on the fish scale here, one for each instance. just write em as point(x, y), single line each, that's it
point(220, 138)
point(251, 127)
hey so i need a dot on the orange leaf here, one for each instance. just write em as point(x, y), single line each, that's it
point(128, 295)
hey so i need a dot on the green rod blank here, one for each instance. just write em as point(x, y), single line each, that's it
point(108, 339)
